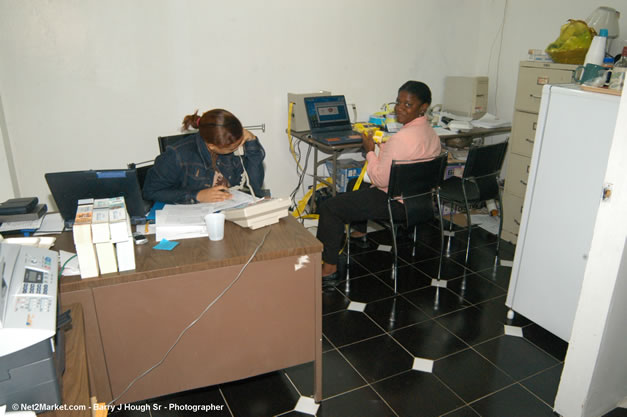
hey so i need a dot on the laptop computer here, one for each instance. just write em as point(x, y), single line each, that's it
point(329, 121)
point(69, 187)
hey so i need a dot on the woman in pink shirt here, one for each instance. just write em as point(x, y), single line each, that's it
point(415, 140)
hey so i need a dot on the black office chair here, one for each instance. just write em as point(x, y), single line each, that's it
point(479, 183)
point(417, 184)
point(142, 169)
point(165, 141)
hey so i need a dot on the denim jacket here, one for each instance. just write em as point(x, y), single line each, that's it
point(185, 168)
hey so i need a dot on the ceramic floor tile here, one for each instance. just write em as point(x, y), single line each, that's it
point(435, 301)
point(347, 327)
point(474, 288)
point(356, 270)
point(365, 289)
point(429, 340)
point(469, 375)
point(376, 261)
point(378, 358)
point(546, 341)
point(499, 277)
point(497, 309)
point(479, 258)
point(264, 395)
point(394, 313)
point(462, 412)
point(294, 414)
point(200, 402)
point(409, 279)
point(333, 300)
point(411, 253)
point(513, 401)
point(472, 325)
point(430, 236)
point(545, 384)
point(363, 402)
point(326, 345)
point(337, 376)
point(417, 394)
point(516, 356)
point(449, 270)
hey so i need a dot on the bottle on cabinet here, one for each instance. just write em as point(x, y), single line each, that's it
point(596, 52)
point(617, 80)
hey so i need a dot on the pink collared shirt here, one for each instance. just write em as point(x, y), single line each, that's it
point(415, 140)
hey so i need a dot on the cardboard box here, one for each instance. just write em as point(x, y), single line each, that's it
point(454, 170)
point(347, 169)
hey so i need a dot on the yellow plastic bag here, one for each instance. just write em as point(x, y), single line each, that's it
point(572, 44)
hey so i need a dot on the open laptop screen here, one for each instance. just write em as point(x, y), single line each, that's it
point(69, 187)
point(327, 113)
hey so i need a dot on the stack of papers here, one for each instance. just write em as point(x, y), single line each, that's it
point(490, 121)
point(186, 221)
point(48, 224)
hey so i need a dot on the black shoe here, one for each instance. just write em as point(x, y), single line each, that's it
point(330, 281)
point(360, 242)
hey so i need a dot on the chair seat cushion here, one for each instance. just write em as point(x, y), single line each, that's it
point(451, 190)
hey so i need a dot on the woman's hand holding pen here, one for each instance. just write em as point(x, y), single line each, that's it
point(213, 194)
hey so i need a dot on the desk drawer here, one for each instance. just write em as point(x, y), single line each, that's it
point(530, 83)
point(518, 167)
point(512, 212)
point(523, 132)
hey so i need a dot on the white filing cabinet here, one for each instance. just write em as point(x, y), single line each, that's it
point(532, 76)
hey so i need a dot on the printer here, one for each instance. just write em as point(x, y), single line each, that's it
point(31, 354)
point(466, 96)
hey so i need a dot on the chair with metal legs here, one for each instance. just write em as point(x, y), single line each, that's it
point(415, 184)
point(479, 183)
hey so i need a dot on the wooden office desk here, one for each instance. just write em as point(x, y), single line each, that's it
point(270, 319)
point(75, 382)
point(335, 150)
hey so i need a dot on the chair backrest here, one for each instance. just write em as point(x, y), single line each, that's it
point(165, 141)
point(142, 169)
point(414, 182)
point(483, 167)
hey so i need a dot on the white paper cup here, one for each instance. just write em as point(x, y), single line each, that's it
point(215, 225)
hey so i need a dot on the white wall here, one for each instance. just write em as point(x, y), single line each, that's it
point(90, 84)
point(8, 178)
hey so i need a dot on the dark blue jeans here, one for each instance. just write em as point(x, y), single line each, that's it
point(355, 208)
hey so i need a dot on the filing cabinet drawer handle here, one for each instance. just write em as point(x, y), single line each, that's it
point(534, 96)
point(534, 126)
point(529, 140)
point(517, 222)
point(523, 183)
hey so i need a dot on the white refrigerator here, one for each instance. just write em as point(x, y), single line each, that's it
point(573, 137)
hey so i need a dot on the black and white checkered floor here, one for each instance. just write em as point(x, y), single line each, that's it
point(427, 351)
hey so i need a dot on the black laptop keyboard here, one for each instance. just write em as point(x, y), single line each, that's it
point(340, 133)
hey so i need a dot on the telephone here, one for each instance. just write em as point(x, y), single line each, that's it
point(28, 296)
point(31, 357)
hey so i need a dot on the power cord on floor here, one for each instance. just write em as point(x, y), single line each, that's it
point(147, 371)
